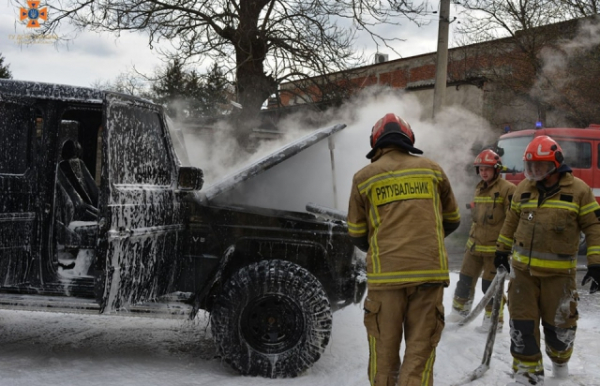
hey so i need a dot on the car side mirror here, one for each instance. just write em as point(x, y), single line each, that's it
point(190, 178)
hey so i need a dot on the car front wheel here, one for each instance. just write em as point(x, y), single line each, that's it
point(271, 319)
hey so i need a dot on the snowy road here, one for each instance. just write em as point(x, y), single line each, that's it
point(50, 349)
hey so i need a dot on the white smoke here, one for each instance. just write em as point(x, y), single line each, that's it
point(586, 39)
point(557, 77)
point(216, 150)
point(308, 177)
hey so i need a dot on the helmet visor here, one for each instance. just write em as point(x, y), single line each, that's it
point(538, 170)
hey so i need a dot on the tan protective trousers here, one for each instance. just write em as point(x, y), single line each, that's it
point(551, 300)
point(418, 313)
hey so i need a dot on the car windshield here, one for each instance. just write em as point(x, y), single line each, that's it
point(512, 151)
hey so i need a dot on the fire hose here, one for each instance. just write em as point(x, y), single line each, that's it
point(496, 290)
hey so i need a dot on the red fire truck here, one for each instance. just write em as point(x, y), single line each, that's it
point(581, 149)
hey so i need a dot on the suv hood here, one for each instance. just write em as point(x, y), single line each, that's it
point(232, 180)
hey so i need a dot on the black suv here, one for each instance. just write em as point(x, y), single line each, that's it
point(98, 214)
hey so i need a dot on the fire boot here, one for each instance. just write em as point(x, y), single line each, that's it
point(560, 370)
point(487, 323)
point(455, 316)
point(527, 379)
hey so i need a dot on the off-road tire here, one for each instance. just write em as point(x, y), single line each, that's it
point(271, 319)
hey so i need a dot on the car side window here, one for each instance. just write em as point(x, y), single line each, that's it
point(577, 154)
point(139, 154)
point(16, 126)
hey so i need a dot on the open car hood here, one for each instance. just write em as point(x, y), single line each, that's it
point(232, 180)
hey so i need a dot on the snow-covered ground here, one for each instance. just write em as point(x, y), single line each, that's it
point(38, 348)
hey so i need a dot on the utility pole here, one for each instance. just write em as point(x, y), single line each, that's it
point(441, 66)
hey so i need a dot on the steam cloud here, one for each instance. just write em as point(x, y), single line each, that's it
point(307, 177)
point(565, 71)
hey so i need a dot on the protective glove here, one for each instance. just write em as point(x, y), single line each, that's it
point(501, 259)
point(593, 276)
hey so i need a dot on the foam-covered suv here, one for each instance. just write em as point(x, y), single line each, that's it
point(98, 214)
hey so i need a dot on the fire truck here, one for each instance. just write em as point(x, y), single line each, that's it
point(581, 148)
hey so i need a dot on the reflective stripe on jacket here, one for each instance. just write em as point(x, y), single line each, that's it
point(546, 234)
point(543, 260)
point(492, 201)
point(400, 201)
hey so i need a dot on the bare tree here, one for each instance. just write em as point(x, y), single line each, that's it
point(522, 30)
point(264, 42)
point(579, 8)
point(131, 83)
point(516, 21)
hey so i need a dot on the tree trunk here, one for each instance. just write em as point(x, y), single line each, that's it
point(253, 88)
point(253, 85)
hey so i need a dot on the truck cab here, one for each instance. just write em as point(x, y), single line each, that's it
point(581, 148)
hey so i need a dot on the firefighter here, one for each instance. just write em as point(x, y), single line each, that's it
point(401, 208)
point(549, 210)
point(493, 195)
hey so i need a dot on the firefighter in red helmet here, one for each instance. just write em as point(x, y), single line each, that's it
point(549, 210)
point(401, 208)
point(493, 195)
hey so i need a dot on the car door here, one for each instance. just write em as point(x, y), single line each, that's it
point(20, 208)
point(141, 220)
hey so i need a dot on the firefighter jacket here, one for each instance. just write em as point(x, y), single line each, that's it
point(402, 203)
point(492, 201)
point(543, 226)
